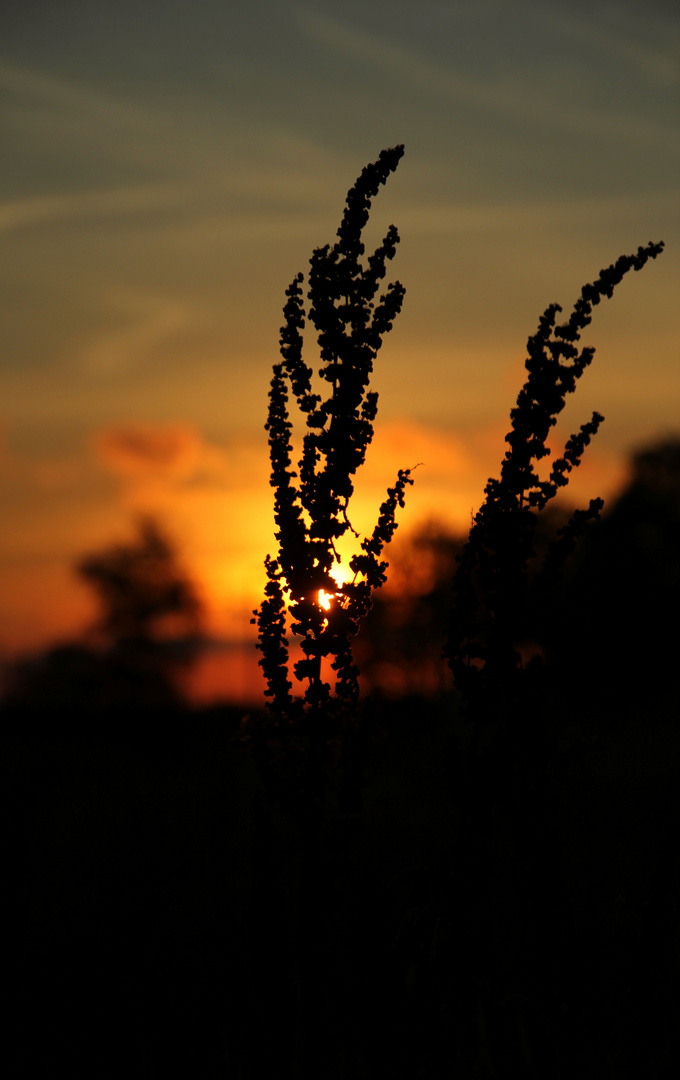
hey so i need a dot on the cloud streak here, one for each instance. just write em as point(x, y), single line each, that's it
point(439, 218)
point(64, 95)
point(510, 100)
point(72, 206)
point(168, 453)
point(147, 325)
point(604, 34)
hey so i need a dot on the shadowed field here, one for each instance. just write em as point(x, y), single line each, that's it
point(159, 918)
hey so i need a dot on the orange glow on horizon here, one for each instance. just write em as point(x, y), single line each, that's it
point(218, 508)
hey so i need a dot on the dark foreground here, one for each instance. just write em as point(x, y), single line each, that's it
point(161, 918)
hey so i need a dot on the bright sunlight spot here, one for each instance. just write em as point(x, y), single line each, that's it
point(341, 573)
point(325, 599)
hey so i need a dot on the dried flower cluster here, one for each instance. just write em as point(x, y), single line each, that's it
point(490, 588)
point(311, 504)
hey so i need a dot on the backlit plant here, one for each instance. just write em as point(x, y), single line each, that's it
point(311, 503)
point(491, 583)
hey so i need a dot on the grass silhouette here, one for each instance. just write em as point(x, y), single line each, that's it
point(312, 504)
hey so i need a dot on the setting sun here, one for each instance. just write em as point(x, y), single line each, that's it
point(325, 599)
point(341, 574)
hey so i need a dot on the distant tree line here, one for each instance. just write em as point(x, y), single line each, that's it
point(625, 575)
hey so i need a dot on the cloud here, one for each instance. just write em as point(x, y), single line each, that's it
point(171, 452)
point(58, 94)
point(515, 100)
point(177, 462)
point(217, 156)
point(230, 177)
point(147, 323)
point(68, 119)
point(438, 218)
point(40, 209)
point(597, 32)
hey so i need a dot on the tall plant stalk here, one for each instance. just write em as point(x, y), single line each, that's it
point(311, 503)
point(491, 591)
point(510, 884)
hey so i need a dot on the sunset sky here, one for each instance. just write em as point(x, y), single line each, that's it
point(168, 167)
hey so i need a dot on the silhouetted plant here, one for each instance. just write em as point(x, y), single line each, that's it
point(312, 737)
point(511, 885)
point(311, 504)
point(490, 586)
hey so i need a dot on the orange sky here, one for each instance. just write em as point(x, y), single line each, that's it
point(164, 180)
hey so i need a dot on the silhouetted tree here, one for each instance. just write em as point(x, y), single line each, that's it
point(144, 637)
point(142, 589)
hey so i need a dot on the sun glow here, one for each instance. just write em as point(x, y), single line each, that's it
point(341, 575)
point(325, 599)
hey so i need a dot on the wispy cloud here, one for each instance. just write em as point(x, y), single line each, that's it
point(178, 459)
point(167, 452)
point(492, 217)
point(146, 323)
point(510, 99)
point(282, 206)
point(606, 29)
point(66, 116)
point(66, 95)
point(228, 166)
point(41, 209)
